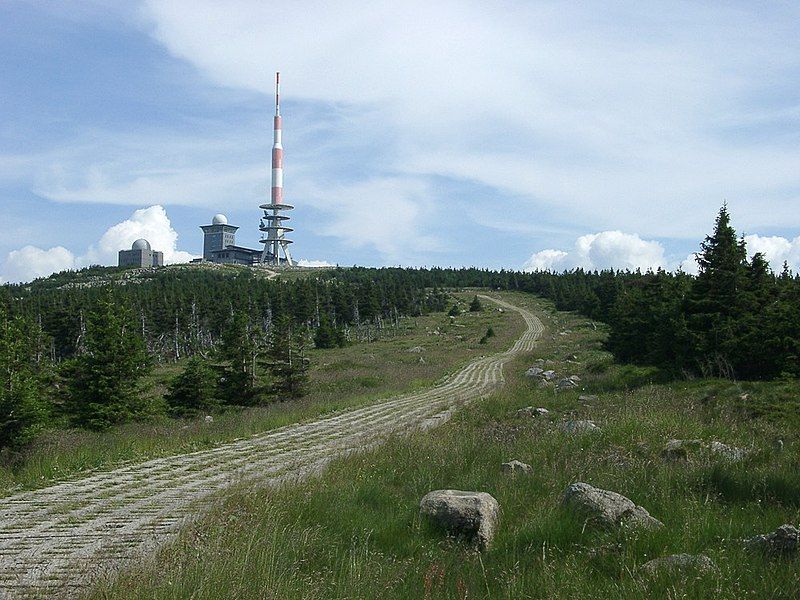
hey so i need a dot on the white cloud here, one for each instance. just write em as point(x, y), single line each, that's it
point(592, 109)
point(150, 223)
point(31, 262)
point(387, 214)
point(776, 250)
point(314, 263)
point(604, 250)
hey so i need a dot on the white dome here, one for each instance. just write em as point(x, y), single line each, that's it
point(141, 244)
point(219, 219)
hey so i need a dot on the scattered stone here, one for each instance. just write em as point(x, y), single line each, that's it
point(565, 384)
point(784, 541)
point(208, 419)
point(516, 467)
point(679, 449)
point(679, 564)
point(470, 515)
point(574, 378)
point(587, 398)
point(574, 427)
point(416, 349)
point(534, 372)
point(421, 360)
point(607, 509)
point(549, 375)
point(530, 411)
point(543, 384)
point(727, 452)
point(777, 445)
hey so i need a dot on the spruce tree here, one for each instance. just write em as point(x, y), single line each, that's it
point(23, 409)
point(194, 390)
point(102, 382)
point(715, 301)
point(475, 305)
point(287, 361)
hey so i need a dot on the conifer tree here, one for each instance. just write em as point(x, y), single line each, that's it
point(23, 410)
point(102, 382)
point(194, 390)
point(475, 305)
point(287, 361)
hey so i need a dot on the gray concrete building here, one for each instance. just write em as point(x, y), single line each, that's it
point(219, 244)
point(141, 255)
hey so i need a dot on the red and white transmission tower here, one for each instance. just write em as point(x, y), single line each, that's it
point(272, 229)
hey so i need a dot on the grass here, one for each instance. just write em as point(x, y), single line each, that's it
point(339, 378)
point(354, 532)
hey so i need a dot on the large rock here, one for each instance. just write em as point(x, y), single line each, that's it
point(566, 384)
point(534, 372)
point(784, 541)
point(530, 411)
point(469, 515)
point(731, 453)
point(607, 509)
point(577, 427)
point(680, 449)
point(679, 565)
point(516, 467)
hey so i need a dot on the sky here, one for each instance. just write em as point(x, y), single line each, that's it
point(519, 135)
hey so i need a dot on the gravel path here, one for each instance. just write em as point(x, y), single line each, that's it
point(55, 541)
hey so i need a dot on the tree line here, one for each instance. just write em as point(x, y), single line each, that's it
point(73, 351)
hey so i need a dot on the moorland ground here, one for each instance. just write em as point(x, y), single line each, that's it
point(355, 532)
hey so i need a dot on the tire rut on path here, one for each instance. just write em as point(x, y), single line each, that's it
point(55, 541)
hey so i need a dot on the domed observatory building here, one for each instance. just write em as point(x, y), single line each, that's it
point(219, 244)
point(141, 255)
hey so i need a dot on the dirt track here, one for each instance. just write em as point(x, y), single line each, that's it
point(56, 540)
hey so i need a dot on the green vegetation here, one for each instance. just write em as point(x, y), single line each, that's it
point(339, 378)
point(355, 531)
point(195, 390)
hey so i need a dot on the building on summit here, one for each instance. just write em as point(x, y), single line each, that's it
point(219, 244)
point(141, 255)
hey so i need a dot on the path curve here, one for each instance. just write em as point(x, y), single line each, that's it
point(56, 540)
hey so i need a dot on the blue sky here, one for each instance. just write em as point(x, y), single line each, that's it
point(505, 134)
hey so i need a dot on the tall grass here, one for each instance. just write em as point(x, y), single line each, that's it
point(355, 531)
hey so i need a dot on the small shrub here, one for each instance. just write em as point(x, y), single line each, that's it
point(193, 391)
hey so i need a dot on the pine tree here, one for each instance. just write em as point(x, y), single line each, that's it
point(194, 390)
point(23, 409)
point(287, 361)
point(102, 383)
point(242, 348)
point(714, 303)
point(475, 305)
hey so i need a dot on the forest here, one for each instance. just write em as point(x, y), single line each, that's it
point(72, 350)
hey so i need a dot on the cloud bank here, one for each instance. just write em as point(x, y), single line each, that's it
point(604, 250)
point(621, 251)
point(151, 223)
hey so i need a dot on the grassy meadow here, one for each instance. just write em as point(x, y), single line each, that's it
point(340, 378)
point(354, 532)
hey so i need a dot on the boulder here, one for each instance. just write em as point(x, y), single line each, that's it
point(784, 541)
point(680, 565)
point(680, 449)
point(573, 427)
point(534, 372)
point(469, 515)
point(548, 375)
point(208, 419)
point(530, 411)
point(606, 509)
point(727, 452)
point(574, 378)
point(516, 467)
point(566, 384)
